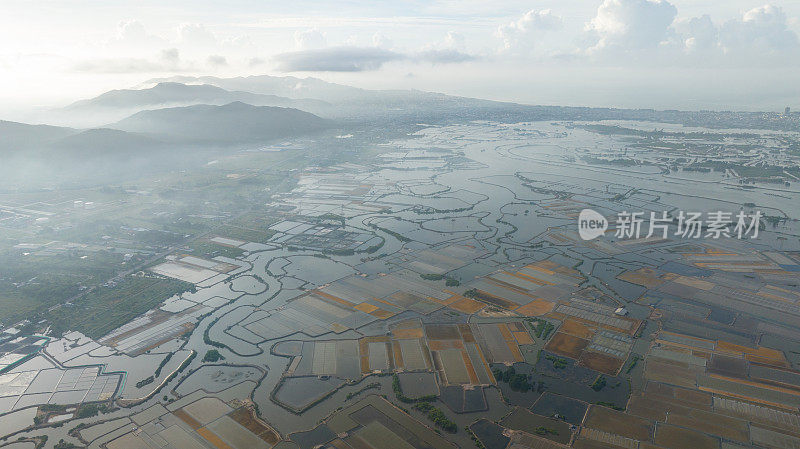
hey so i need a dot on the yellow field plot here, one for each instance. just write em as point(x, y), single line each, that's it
point(473, 376)
point(375, 339)
point(764, 294)
point(447, 301)
point(183, 416)
point(764, 361)
point(543, 267)
point(526, 277)
point(512, 345)
point(702, 343)
point(762, 354)
point(779, 289)
point(680, 349)
point(391, 304)
point(366, 307)
point(535, 280)
point(537, 307)
point(213, 438)
point(407, 334)
point(694, 282)
point(523, 338)
point(338, 328)
point(398, 355)
point(381, 314)
point(335, 299)
point(505, 332)
point(764, 386)
point(467, 305)
point(719, 392)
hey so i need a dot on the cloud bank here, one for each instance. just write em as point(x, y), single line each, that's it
point(335, 59)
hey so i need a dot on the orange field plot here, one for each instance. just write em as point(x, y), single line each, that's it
point(245, 417)
point(523, 338)
point(576, 329)
point(712, 423)
point(566, 345)
point(440, 345)
point(467, 305)
point(646, 277)
point(466, 333)
point(364, 364)
point(695, 282)
point(672, 373)
point(494, 300)
point(537, 307)
point(602, 363)
point(619, 423)
point(672, 436)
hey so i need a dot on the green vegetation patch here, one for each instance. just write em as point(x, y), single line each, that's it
point(437, 417)
point(213, 356)
point(105, 308)
point(516, 381)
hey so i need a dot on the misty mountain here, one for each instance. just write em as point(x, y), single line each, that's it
point(103, 142)
point(379, 107)
point(235, 122)
point(41, 155)
point(115, 105)
point(357, 103)
point(284, 86)
point(21, 136)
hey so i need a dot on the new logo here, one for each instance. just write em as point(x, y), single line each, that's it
point(591, 224)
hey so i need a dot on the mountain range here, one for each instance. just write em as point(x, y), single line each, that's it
point(115, 105)
point(235, 122)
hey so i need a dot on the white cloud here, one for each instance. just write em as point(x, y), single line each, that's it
point(698, 36)
point(451, 49)
point(633, 31)
point(195, 35)
point(762, 32)
point(336, 59)
point(444, 56)
point(217, 61)
point(380, 40)
point(309, 39)
point(132, 36)
point(523, 33)
point(255, 62)
point(168, 60)
point(629, 26)
point(455, 41)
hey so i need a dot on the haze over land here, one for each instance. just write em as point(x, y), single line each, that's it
point(666, 54)
point(447, 225)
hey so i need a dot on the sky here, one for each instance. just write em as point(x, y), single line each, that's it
point(664, 54)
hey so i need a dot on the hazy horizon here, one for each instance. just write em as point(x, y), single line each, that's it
point(741, 55)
